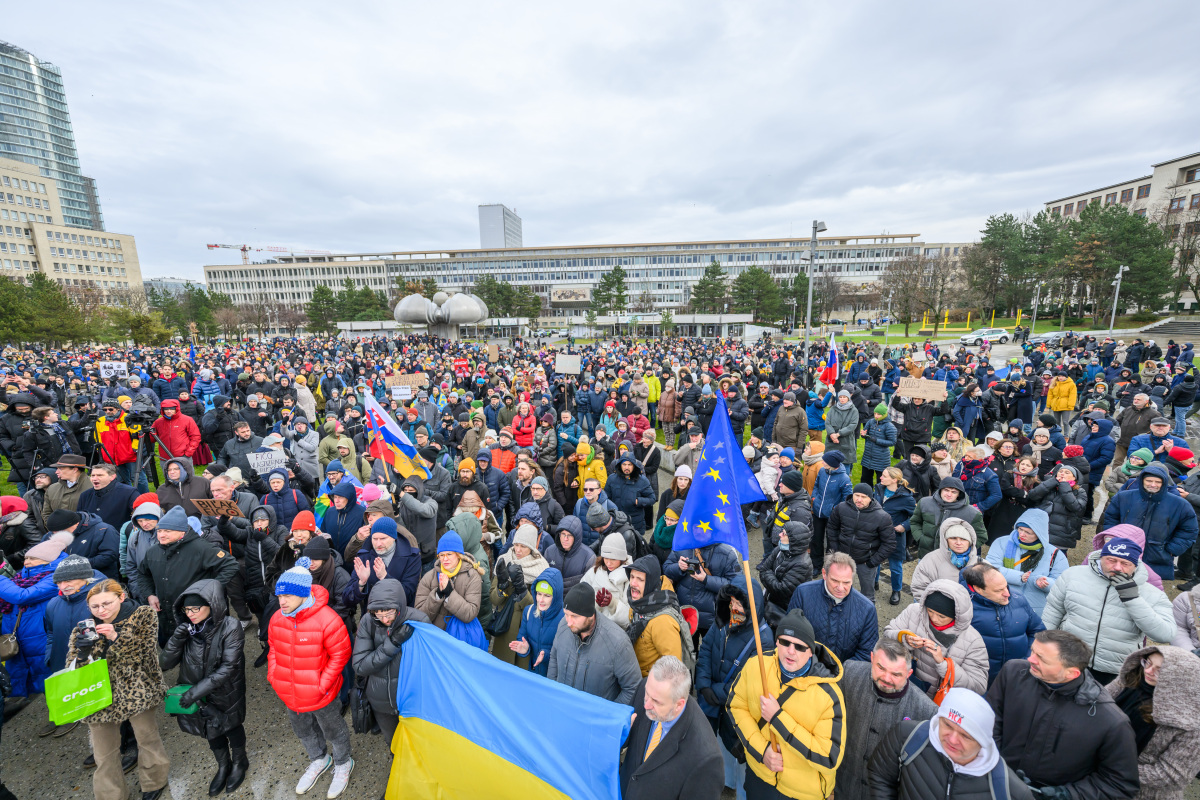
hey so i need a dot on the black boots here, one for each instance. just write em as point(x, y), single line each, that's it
point(237, 773)
point(224, 764)
point(894, 599)
point(262, 657)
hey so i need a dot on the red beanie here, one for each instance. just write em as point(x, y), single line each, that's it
point(148, 497)
point(1072, 450)
point(1182, 455)
point(304, 521)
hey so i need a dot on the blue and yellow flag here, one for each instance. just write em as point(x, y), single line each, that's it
point(390, 443)
point(723, 481)
point(473, 727)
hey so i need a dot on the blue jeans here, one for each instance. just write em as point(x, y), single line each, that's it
point(22, 487)
point(125, 475)
point(1180, 415)
point(896, 562)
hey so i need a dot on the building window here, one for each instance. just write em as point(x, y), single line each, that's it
point(1110, 198)
point(1127, 196)
point(1056, 210)
point(1143, 191)
point(1191, 175)
point(1068, 208)
point(1176, 204)
point(1195, 201)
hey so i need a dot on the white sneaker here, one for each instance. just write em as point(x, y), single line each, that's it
point(315, 770)
point(341, 777)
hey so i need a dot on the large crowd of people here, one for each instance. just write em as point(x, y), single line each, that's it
point(1029, 660)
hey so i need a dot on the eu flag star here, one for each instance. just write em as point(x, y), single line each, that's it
point(724, 498)
point(712, 473)
point(719, 515)
point(704, 526)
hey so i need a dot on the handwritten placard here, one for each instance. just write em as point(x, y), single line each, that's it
point(919, 387)
point(218, 508)
point(265, 462)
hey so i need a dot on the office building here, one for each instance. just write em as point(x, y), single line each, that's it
point(171, 285)
point(37, 129)
point(1172, 187)
point(658, 276)
point(499, 227)
point(33, 237)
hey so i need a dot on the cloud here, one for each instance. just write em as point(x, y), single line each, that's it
point(374, 126)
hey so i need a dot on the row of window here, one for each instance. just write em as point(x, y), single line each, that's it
point(86, 282)
point(21, 216)
point(1126, 196)
point(16, 263)
point(20, 183)
point(90, 255)
point(103, 270)
point(79, 238)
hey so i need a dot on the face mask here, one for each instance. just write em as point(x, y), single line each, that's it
point(785, 546)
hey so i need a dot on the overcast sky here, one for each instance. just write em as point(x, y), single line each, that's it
point(360, 126)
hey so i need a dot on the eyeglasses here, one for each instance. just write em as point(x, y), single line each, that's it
point(799, 647)
point(193, 609)
point(1148, 665)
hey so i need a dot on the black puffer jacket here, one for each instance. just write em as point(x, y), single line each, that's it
point(865, 534)
point(783, 570)
point(923, 480)
point(260, 549)
point(930, 774)
point(13, 427)
point(375, 657)
point(1064, 504)
point(212, 661)
point(1072, 734)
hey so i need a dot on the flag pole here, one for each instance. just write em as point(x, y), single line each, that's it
point(762, 667)
point(387, 468)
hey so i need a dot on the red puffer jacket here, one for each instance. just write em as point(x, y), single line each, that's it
point(308, 652)
point(523, 428)
point(178, 434)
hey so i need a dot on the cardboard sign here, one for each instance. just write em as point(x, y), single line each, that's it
point(402, 392)
point(919, 387)
point(113, 369)
point(218, 508)
point(567, 364)
point(265, 462)
point(461, 366)
point(918, 355)
point(416, 379)
point(493, 353)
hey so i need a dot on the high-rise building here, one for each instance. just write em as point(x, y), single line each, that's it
point(35, 127)
point(499, 227)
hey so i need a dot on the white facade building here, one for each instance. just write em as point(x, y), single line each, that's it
point(499, 227)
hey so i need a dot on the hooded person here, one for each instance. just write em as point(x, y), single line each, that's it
point(287, 501)
point(568, 554)
point(950, 500)
point(609, 577)
point(378, 644)
point(1167, 519)
point(588, 466)
point(418, 513)
point(952, 755)
point(958, 549)
point(937, 629)
point(344, 516)
point(657, 627)
point(539, 621)
point(630, 490)
point(182, 486)
point(1063, 496)
point(663, 536)
point(512, 585)
point(1027, 559)
point(208, 647)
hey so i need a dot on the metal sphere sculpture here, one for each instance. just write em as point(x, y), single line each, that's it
point(443, 314)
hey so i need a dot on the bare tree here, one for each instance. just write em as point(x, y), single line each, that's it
point(902, 281)
point(229, 320)
point(643, 302)
point(943, 280)
point(1181, 223)
point(257, 313)
point(89, 303)
point(291, 319)
point(827, 293)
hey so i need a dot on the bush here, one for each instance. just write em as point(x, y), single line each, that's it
point(1074, 322)
point(959, 314)
point(1144, 316)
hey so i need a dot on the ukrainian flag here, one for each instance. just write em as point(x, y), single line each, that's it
point(473, 727)
point(394, 447)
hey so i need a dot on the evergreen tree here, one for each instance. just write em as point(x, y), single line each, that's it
point(322, 310)
point(708, 296)
point(15, 313)
point(429, 287)
point(755, 292)
point(55, 318)
point(610, 294)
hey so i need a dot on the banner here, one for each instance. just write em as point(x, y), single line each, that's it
point(416, 379)
point(567, 364)
point(113, 369)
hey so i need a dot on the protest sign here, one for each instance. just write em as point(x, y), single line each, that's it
point(493, 353)
point(402, 392)
point(113, 369)
point(919, 387)
point(218, 508)
point(567, 364)
point(416, 379)
point(265, 462)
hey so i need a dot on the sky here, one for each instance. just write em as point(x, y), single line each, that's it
point(370, 126)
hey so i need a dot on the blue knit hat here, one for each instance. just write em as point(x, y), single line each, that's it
point(297, 580)
point(788, 453)
point(384, 525)
point(450, 542)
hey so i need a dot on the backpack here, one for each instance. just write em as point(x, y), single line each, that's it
point(919, 738)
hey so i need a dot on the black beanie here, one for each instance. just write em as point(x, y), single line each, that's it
point(1047, 420)
point(864, 488)
point(581, 600)
point(796, 626)
point(794, 480)
point(941, 603)
point(318, 549)
point(428, 453)
point(189, 600)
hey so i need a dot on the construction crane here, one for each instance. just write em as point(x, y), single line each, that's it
point(245, 250)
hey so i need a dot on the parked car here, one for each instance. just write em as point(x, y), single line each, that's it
point(1049, 339)
point(982, 335)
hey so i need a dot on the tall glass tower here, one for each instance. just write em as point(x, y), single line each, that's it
point(35, 127)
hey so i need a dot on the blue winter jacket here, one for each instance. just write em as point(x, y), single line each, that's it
point(568, 445)
point(98, 542)
point(538, 628)
point(849, 628)
point(1098, 449)
point(814, 409)
point(62, 615)
point(581, 509)
point(1052, 563)
point(634, 494)
point(878, 440)
point(900, 506)
point(169, 389)
point(966, 411)
point(287, 502)
point(1168, 520)
point(405, 567)
point(769, 412)
point(983, 488)
point(857, 368)
point(891, 381)
point(831, 488)
point(1007, 630)
point(718, 663)
point(30, 602)
point(1186, 355)
point(722, 563)
point(497, 485)
point(1152, 443)
point(342, 525)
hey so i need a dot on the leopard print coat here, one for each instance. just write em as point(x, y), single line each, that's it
point(133, 669)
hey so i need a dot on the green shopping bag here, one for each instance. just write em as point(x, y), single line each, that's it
point(75, 692)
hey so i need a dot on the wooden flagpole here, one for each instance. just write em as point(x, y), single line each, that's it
point(762, 667)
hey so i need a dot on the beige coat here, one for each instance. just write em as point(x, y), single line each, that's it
point(936, 564)
point(466, 592)
point(967, 651)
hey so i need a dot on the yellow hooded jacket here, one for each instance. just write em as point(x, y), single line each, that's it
point(810, 727)
point(589, 466)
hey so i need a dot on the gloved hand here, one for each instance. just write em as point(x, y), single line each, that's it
point(188, 698)
point(710, 697)
point(1055, 793)
point(1127, 588)
point(603, 597)
point(517, 577)
point(86, 639)
point(399, 632)
point(502, 581)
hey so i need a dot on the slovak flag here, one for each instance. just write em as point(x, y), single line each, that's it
point(832, 366)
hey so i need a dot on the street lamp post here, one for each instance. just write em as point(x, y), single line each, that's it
point(1036, 292)
point(817, 227)
point(887, 325)
point(1112, 319)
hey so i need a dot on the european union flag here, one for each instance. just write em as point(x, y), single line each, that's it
point(723, 481)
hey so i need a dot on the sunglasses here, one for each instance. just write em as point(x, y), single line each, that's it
point(799, 647)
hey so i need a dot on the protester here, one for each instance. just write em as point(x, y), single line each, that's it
point(842, 618)
point(938, 629)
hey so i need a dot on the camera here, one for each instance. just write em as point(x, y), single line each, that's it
point(693, 566)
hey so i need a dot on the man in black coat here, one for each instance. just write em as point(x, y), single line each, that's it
point(860, 528)
point(1060, 727)
point(917, 427)
point(671, 751)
